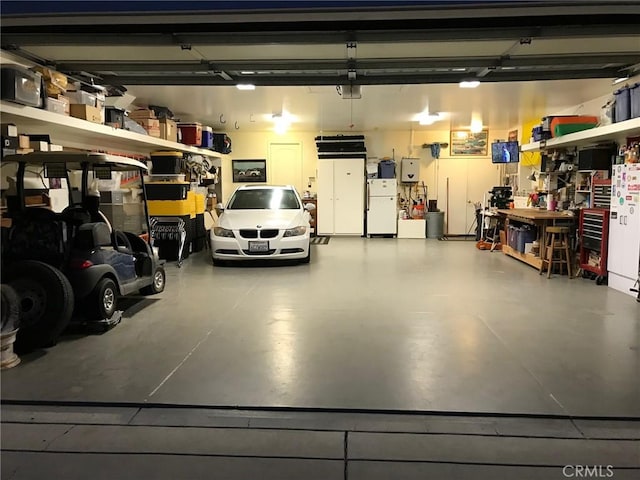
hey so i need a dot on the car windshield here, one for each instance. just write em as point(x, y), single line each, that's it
point(263, 199)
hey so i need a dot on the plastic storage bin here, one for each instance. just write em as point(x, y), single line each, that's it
point(207, 137)
point(167, 190)
point(623, 104)
point(634, 100)
point(191, 133)
point(166, 163)
point(21, 85)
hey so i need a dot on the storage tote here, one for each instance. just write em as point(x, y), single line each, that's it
point(623, 104)
point(634, 100)
point(191, 133)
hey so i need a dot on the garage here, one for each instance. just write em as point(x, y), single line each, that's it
point(392, 240)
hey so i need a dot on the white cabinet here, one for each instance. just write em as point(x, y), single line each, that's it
point(341, 184)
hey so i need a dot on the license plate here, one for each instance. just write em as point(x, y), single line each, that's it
point(258, 246)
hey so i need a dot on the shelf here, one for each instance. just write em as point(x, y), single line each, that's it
point(527, 258)
point(598, 134)
point(74, 132)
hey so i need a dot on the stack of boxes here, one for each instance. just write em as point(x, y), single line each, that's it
point(56, 85)
point(86, 105)
point(147, 119)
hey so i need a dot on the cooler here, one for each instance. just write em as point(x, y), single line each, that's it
point(191, 133)
point(207, 137)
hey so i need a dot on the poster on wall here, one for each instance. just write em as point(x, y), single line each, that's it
point(464, 142)
point(249, 171)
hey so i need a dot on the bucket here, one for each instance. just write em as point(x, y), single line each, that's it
point(435, 224)
point(8, 358)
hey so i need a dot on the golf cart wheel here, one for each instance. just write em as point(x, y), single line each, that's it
point(10, 309)
point(46, 300)
point(157, 286)
point(103, 301)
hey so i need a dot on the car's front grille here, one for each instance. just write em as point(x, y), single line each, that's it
point(261, 233)
point(268, 233)
point(259, 254)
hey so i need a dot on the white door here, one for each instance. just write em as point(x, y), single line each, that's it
point(381, 216)
point(285, 165)
point(348, 188)
point(325, 197)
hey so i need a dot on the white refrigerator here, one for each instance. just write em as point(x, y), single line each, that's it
point(624, 228)
point(382, 199)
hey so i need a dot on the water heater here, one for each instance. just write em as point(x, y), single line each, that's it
point(410, 170)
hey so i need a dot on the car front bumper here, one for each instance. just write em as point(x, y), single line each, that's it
point(280, 247)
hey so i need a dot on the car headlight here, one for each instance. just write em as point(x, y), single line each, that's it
point(294, 232)
point(223, 232)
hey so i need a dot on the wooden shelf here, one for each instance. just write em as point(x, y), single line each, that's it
point(523, 257)
point(586, 137)
point(78, 133)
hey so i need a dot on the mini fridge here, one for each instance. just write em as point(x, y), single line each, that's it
point(382, 194)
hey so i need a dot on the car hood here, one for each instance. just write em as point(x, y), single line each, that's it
point(250, 219)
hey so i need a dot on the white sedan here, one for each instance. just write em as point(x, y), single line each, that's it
point(262, 222)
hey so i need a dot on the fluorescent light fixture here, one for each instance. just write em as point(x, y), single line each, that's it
point(247, 72)
point(428, 119)
point(469, 84)
point(245, 86)
point(620, 80)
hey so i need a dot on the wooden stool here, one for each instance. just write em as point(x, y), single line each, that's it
point(557, 241)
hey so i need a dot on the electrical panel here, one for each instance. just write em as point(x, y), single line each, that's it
point(410, 170)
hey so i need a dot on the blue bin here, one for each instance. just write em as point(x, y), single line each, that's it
point(207, 137)
point(634, 100)
point(525, 235)
point(387, 169)
point(623, 104)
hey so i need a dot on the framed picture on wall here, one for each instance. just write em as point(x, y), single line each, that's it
point(245, 171)
point(467, 143)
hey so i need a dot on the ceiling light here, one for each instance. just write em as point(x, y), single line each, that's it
point(476, 126)
point(428, 119)
point(469, 84)
point(281, 122)
point(247, 72)
point(245, 86)
point(620, 80)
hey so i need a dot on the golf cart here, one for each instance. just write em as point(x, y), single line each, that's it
point(77, 262)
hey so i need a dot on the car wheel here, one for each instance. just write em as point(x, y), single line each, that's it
point(103, 301)
point(307, 259)
point(10, 309)
point(157, 286)
point(46, 300)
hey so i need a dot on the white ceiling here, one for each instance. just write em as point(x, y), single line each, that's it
point(500, 106)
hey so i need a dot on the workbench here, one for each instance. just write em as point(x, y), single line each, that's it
point(538, 218)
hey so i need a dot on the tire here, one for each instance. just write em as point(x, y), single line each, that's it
point(102, 303)
point(307, 259)
point(10, 309)
point(46, 301)
point(157, 286)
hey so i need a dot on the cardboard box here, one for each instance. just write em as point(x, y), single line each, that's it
point(23, 141)
point(168, 130)
point(86, 112)
point(141, 113)
point(55, 148)
point(153, 132)
point(22, 151)
point(39, 146)
point(149, 123)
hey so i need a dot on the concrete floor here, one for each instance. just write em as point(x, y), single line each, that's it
point(369, 324)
